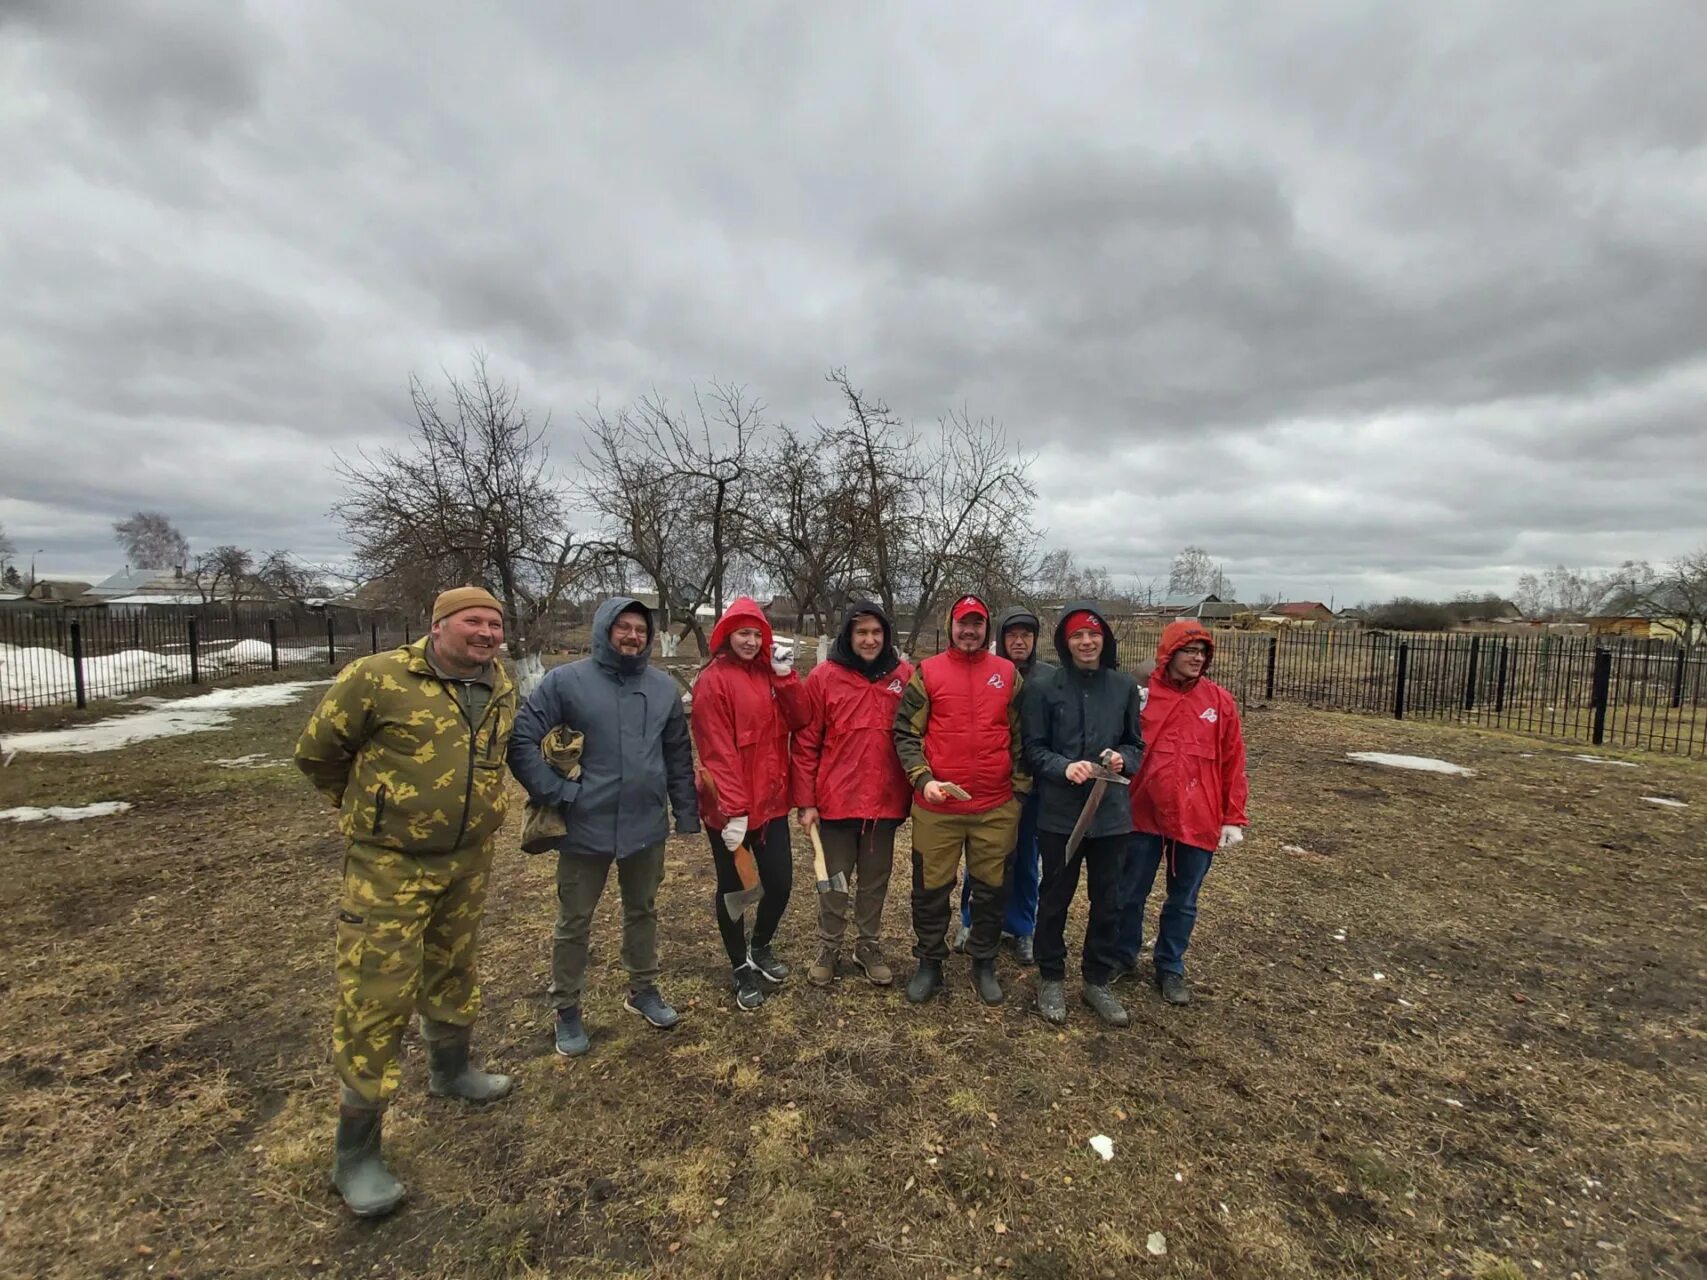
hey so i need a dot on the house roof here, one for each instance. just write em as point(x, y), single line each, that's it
point(1298, 608)
point(1184, 603)
point(1661, 600)
point(56, 589)
point(129, 582)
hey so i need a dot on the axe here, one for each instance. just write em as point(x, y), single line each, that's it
point(827, 883)
point(737, 902)
point(1099, 786)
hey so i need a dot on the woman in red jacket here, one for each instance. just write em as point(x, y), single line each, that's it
point(1188, 799)
point(848, 782)
point(744, 703)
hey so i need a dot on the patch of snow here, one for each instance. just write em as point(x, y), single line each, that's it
point(1157, 1244)
point(186, 715)
point(1103, 1145)
point(1622, 764)
point(46, 677)
point(65, 813)
point(254, 760)
point(1670, 804)
point(1425, 764)
point(1379, 976)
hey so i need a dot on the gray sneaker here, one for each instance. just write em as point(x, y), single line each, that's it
point(652, 1006)
point(1052, 1001)
point(1105, 1006)
point(571, 1036)
point(1173, 988)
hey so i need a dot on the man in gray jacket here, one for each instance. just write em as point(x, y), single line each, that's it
point(635, 751)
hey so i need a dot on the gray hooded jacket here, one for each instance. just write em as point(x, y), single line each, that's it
point(636, 755)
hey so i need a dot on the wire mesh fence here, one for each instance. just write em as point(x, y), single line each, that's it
point(57, 657)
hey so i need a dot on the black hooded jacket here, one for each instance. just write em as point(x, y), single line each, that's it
point(1076, 715)
point(842, 650)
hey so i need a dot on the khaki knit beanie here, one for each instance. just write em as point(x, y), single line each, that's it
point(459, 598)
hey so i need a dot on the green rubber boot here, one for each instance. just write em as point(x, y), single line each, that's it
point(449, 1074)
point(359, 1171)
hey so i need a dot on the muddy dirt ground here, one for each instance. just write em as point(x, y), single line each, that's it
point(1494, 1069)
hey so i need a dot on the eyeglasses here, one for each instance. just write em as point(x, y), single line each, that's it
point(1201, 651)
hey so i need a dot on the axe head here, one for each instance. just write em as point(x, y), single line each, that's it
point(837, 883)
point(741, 901)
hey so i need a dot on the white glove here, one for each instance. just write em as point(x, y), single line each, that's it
point(735, 831)
point(1231, 836)
point(782, 658)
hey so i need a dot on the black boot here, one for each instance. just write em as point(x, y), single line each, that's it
point(359, 1171)
point(984, 981)
point(449, 1074)
point(925, 982)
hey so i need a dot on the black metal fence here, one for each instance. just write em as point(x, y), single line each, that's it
point(1601, 690)
point(55, 657)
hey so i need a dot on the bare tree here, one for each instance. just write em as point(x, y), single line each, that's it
point(151, 542)
point(804, 519)
point(1060, 577)
point(286, 577)
point(222, 573)
point(471, 499)
point(7, 550)
point(885, 477)
point(1194, 572)
point(1673, 599)
point(674, 492)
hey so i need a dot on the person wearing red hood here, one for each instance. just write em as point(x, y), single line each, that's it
point(745, 701)
point(957, 732)
point(1187, 801)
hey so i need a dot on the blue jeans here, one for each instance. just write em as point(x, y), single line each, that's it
point(1025, 872)
point(1187, 868)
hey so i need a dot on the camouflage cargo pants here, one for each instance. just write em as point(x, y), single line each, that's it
point(408, 931)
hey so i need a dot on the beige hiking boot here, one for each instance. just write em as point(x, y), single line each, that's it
point(869, 957)
point(823, 970)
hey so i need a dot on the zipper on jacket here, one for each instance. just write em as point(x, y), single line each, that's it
point(473, 756)
point(378, 807)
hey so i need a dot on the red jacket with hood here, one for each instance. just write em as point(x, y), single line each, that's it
point(1192, 782)
point(742, 713)
point(844, 758)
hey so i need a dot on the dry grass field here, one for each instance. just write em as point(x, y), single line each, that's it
point(1446, 1027)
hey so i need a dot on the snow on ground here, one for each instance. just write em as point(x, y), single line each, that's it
point(46, 677)
point(186, 715)
point(1424, 763)
point(254, 760)
point(64, 813)
point(1670, 804)
point(1622, 764)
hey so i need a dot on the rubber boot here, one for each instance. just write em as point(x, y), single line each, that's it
point(925, 982)
point(359, 1171)
point(984, 981)
point(449, 1074)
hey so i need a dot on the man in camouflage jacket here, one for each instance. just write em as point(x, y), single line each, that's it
point(409, 747)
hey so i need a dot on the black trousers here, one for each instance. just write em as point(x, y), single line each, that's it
point(1103, 858)
point(775, 858)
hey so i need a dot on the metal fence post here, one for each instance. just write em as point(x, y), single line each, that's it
point(273, 640)
point(195, 651)
point(1499, 678)
point(1602, 687)
point(1399, 680)
point(77, 663)
point(1677, 678)
point(1268, 682)
point(375, 627)
point(1470, 675)
point(331, 644)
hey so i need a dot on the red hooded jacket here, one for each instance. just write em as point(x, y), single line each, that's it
point(1192, 782)
point(844, 758)
point(742, 713)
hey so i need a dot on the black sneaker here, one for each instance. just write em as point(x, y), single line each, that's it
point(761, 957)
point(749, 995)
point(1173, 988)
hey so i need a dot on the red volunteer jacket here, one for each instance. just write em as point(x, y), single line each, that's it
point(969, 738)
point(741, 717)
point(1192, 782)
point(844, 757)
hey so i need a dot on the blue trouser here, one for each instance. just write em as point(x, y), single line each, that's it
point(1187, 866)
point(1019, 916)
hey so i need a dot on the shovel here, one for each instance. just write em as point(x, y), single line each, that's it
point(827, 883)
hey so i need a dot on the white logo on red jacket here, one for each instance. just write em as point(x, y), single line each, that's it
point(995, 681)
point(1209, 714)
point(895, 687)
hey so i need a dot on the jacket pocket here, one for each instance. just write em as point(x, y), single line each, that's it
point(379, 808)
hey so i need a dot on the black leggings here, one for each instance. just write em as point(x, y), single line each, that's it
point(775, 858)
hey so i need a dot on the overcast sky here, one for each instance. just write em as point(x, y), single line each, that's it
point(1364, 298)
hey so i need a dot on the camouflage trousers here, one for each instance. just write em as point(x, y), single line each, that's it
point(408, 932)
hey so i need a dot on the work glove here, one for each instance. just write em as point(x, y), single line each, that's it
point(782, 659)
point(735, 831)
point(1231, 836)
